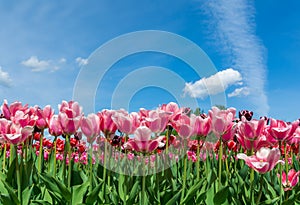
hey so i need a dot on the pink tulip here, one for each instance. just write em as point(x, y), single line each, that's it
point(43, 116)
point(107, 125)
point(55, 128)
point(250, 134)
point(184, 126)
point(157, 120)
point(221, 120)
point(142, 141)
point(18, 134)
point(264, 160)
point(69, 117)
point(291, 180)
point(4, 126)
point(202, 126)
point(281, 130)
point(90, 127)
point(295, 139)
point(126, 123)
point(174, 110)
point(10, 110)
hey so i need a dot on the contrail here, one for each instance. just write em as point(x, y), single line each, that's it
point(234, 26)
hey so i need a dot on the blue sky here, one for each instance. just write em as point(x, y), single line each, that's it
point(254, 45)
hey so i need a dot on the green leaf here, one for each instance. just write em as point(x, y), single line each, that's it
point(26, 195)
point(210, 195)
point(133, 192)
point(174, 198)
point(270, 201)
point(221, 195)
point(11, 193)
point(78, 192)
point(40, 202)
point(120, 187)
point(56, 187)
point(192, 191)
point(92, 196)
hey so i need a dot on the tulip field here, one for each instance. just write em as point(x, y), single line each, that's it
point(169, 155)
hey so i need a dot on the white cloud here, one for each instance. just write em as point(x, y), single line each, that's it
point(37, 65)
point(5, 79)
point(214, 84)
point(81, 61)
point(233, 25)
point(244, 91)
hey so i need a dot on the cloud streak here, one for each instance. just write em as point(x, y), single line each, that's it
point(211, 86)
point(5, 79)
point(37, 65)
point(234, 24)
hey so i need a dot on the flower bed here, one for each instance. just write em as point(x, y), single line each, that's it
point(163, 156)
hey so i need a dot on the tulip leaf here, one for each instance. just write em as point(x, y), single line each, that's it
point(26, 195)
point(192, 191)
point(40, 202)
point(79, 191)
point(92, 196)
point(174, 198)
point(11, 192)
point(133, 192)
point(221, 196)
point(120, 187)
point(56, 187)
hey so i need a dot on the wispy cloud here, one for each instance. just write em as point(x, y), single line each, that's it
point(211, 86)
point(234, 24)
point(5, 79)
point(37, 65)
point(244, 91)
point(81, 61)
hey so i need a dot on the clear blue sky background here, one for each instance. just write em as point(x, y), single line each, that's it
point(44, 44)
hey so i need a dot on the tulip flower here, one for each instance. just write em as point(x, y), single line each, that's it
point(10, 110)
point(263, 161)
point(107, 125)
point(250, 134)
point(157, 120)
point(281, 130)
point(90, 127)
point(70, 114)
point(126, 123)
point(221, 120)
point(43, 116)
point(291, 180)
point(184, 126)
point(54, 126)
point(142, 141)
point(202, 126)
point(18, 134)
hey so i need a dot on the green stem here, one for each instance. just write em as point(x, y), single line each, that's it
point(143, 189)
point(66, 148)
point(286, 163)
point(260, 189)
point(18, 175)
point(4, 158)
point(252, 181)
point(198, 161)
point(184, 177)
point(54, 155)
point(70, 163)
point(104, 169)
point(90, 157)
point(280, 179)
point(220, 163)
point(40, 152)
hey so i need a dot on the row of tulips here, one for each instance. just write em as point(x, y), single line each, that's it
point(164, 156)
